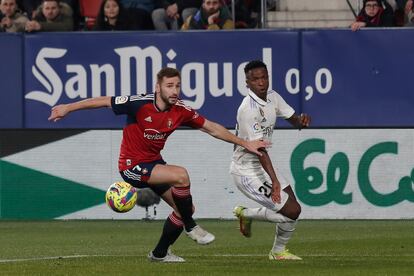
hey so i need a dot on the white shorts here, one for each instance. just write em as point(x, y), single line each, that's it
point(259, 188)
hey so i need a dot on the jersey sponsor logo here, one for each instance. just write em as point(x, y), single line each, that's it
point(121, 99)
point(148, 119)
point(153, 134)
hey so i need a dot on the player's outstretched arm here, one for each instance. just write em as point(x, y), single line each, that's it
point(60, 111)
point(218, 131)
point(301, 121)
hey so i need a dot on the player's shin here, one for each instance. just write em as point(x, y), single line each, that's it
point(184, 202)
point(173, 227)
point(266, 214)
point(284, 232)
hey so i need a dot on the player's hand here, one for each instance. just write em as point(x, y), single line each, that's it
point(255, 146)
point(58, 112)
point(304, 120)
point(276, 192)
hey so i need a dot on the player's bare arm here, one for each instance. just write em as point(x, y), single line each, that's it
point(220, 132)
point(300, 121)
point(268, 167)
point(60, 111)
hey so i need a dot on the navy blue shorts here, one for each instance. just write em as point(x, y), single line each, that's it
point(139, 175)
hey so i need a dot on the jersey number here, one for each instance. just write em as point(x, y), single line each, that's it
point(266, 189)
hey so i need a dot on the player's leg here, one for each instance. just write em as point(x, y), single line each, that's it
point(284, 213)
point(285, 230)
point(173, 227)
point(178, 178)
point(258, 188)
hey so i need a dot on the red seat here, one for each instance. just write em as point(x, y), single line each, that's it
point(89, 10)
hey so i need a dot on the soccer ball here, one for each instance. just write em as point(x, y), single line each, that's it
point(121, 197)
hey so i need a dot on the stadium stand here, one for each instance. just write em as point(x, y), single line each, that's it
point(89, 10)
point(311, 14)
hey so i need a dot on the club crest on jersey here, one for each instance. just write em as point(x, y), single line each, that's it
point(148, 119)
point(121, 99)
point(169, 123)
point(256, 127)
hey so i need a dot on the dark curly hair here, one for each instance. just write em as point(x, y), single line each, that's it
point(253, 65)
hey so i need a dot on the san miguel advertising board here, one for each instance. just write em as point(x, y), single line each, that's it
point(342, 78)
point(67, 68)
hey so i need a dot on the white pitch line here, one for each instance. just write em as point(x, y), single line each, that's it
point(94, 256)
point(206, 255)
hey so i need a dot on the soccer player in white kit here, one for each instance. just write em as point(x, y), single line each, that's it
point(255, 175)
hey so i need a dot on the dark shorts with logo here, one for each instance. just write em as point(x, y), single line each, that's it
point(139, 175)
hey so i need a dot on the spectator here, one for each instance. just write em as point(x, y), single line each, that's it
point(112, 17)
point(374, 13)
point(11, 19)
point(212, 15)
point(170, 14)
point(52, 16)
point(30, 7)
point(409, 13)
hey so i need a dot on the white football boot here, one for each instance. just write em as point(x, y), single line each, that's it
point(200, 235)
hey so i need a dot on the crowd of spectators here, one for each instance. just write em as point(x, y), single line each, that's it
point(125, 15)
point(163, 15)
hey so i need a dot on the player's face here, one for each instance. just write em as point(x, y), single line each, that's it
point(169, 90)
point(50, 10)
point(258, 81)
point(8, 7)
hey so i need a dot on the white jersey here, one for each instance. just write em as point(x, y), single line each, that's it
point(256, 119)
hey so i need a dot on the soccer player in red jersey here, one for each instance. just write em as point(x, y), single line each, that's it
point(150, 120)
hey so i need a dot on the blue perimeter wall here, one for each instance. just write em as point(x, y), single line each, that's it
point(342, 78)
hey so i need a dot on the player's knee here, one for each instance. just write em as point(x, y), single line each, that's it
point(182, 178)
point(298, 210)
point(292, 210)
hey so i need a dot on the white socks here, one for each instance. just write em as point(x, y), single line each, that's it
point(284, 231)
point(284, 227)
point(264, 213)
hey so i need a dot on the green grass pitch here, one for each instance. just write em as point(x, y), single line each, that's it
point(344, 247)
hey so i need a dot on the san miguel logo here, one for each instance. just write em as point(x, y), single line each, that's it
point(49, 83)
